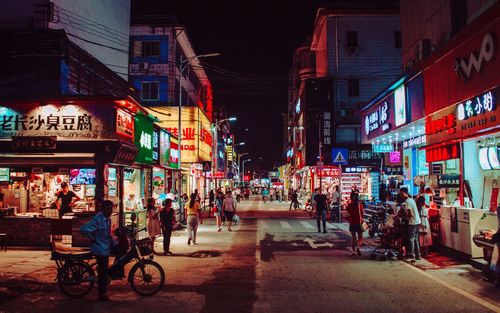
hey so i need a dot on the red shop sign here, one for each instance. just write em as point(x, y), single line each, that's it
point(329, 171)
point(442, 153)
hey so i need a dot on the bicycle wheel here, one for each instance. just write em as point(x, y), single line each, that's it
point(146, 277)
point(76, 279)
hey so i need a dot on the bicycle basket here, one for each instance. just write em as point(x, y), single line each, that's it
point(145, 246)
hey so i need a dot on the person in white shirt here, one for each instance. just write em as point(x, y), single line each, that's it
point(335, 205)
point(413, 224)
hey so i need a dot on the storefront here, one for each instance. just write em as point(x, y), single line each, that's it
point(462, 132)
point(394, 125)
point(79, 142)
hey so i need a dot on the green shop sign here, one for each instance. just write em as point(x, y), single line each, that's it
point(144, 139)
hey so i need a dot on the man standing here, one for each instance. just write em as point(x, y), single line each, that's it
point(67, 201)
point(336, 205)
point(98, 231)
point(321, 207)
point(413, 224)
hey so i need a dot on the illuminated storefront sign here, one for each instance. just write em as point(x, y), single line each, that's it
point(329, 171)
point(144, 139)
point(124, 123)
point(395, 157)
point(196, 138)
point(444, 124)
point(400, 106)
point(156, 146)
point(174, 153)
point(164, 148)
point(448, 181)
point(476, 106)
point(378, 119)
point(442, 153)
point(90, 121)
point(489, 158)
point(416, 141)
point(383, 147)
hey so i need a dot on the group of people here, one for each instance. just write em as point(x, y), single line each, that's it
point(273, 194)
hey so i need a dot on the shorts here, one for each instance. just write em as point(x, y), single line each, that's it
point(217, 213)
point(355, 228)
point(229, 215)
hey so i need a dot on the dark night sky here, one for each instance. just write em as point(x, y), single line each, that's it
point(256, 40)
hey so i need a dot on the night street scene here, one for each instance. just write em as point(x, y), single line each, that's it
point(309, 156)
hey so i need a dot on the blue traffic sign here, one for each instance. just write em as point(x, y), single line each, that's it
point(340, 156)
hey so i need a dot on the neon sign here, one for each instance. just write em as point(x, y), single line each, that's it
point(446, 123)
point(442, 153)
point(476, 106)
point(378, 119)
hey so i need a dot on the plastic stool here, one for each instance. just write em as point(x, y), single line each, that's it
point(3, 241)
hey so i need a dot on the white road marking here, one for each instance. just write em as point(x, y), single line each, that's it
point(285, 224)
point(306, 225)
point(317, 245)
point(462, 292)
point(331, 225)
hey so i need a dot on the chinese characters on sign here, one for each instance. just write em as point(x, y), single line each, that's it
point(327, 121)
point(378, 118)
point(443, 153)
point(328, 171)
point(416, 141)
point(476, 106)
point(395, 157)
point(28, 143)
point(124, 123)
point(464, 67)
point(448, 181)
point(62, 121)
point(446, 123)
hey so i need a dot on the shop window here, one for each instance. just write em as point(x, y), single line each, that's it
point(353, 87)
point(397, 39)
point(149, 91)
point(150, 48)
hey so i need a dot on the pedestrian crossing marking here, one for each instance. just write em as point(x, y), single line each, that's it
point(331, 225)
point(285, 224)
point(306, 225)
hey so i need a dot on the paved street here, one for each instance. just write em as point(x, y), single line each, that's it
point(274, 261)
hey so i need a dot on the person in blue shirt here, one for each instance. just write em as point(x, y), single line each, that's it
point(98, 230)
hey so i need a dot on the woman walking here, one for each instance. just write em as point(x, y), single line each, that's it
point(167, 221)
point(355, 210)
point(228, 206)
point(193, 209)
point(153, 221)
point(219, 201)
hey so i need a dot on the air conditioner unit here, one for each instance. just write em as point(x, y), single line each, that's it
point(352, 50)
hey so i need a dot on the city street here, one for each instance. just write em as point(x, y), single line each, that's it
point(274, 261)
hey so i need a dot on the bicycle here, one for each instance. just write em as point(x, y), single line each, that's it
point(76, 275)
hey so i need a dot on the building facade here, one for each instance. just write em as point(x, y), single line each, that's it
point(353, 54)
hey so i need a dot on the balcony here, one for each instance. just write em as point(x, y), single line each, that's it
point(145, 68)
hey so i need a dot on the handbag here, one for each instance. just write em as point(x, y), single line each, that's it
point(364, 225)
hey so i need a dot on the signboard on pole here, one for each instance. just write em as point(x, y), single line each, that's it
point(339, 156)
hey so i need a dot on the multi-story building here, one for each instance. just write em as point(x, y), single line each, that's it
point(167, 72)
point(353, 54)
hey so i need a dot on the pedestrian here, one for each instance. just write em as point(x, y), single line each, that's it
point(336, 205)
point(192, 212)
point(229, 209)
point(153, 220)
point(167, 222)
point(265, 193)
point(356, 211)
point(414, 222)
point(68, 199)
point(211, 200)
point(295, 200)
point(425, 235)
point(98, 230)
point(321, 205)
point(219, 200)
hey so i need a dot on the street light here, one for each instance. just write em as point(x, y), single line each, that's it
point(243, 167)
point(182, 67)
point(239, 162)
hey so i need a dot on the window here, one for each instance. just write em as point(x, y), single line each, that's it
point(397, 39)
point(150, 48)
point(353, 87)
point(352, 39)
point(149, 91)
point(346, 135)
